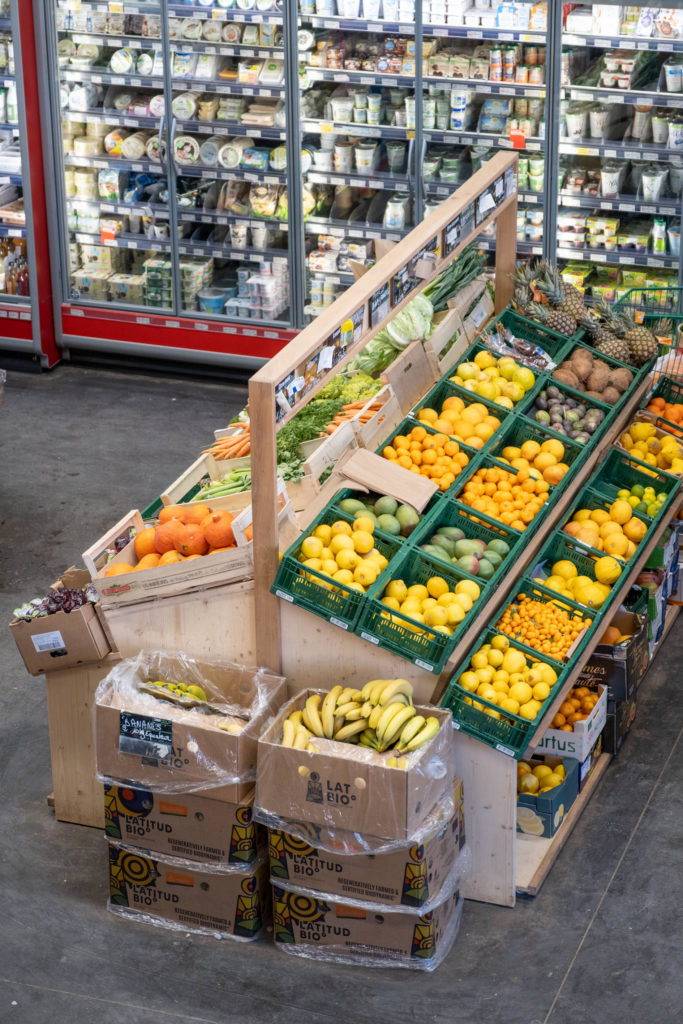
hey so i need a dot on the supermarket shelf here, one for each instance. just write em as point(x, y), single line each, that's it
point(622, 204)
point(113, 117)
point(311, 126)
point(395, 183)
point(12, 231)
point(7, 80)
point(158, 210)
point(384, 78)
point(626, 581)
point(333, 276)
point(535, 855)
point(11, 126)
point(230, 49)
point(225, 14)
point(5, 24)
point(523, 248)
point(226, 87)
point(408, 29)
point(196, 216)
point(124, 242)
point(534, 145)
point(103, 77)
point(631, 149)
point(116, 42)
point(659, 99)
point(533, 92)
point(340, 228)
point(102, 162)
point(223, 251)
point(232, 174)
point(626, 259)
point(230, 128)
point(629, 42)
point(151, 7)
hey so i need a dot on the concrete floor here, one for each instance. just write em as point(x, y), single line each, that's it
point(601, 943)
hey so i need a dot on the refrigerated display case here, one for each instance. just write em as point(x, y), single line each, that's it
point(620, 172)
point(26, 322)
point(171, 193)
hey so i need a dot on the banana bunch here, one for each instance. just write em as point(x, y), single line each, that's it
point(379, 716)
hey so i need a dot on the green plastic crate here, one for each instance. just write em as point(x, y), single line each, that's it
point(527, 409)
point(508, 733)
point(153, 509)
point(592, 499)
point(409, 423)
point(527, 588)
point(456, 491)
point(395, 632)
point(520, 429)
point(349, 492)
point(560, 546)
point(435, 398)
point(480, 346)
point(638, 372)
point(620, 470)
point(531, 330)
point(452, 513)
point(312, 590)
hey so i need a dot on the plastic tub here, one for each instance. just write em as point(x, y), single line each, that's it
point(211, 300)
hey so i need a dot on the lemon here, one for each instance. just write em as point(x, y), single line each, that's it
point(479, 660)
point(521, 692)
point(607, 570)
point(465, 601)
point(565, 569)
point(436, 586)
point(411, 606)
point(528, 710)
point(552, 780)
point(528, 783)
point(559, 769)
point(329, 566)
point(446, 599)
point(456, 613)
point(419, 591)
point(341, 526)
point(347, 559)
point(339, 542)
point(343, 576)
point(514, 661)
point(313, 563)
point(324, 532)
point(326, 554)
point(468, 587)
point(499, 685)
point(362, 542)
point(620, 511)
point(541, 770)
point(363, 523)
point(365, 574)
point(549, 674)
point(469, 681)
point(312, 547)
point(509, 705)
point(541, 691)
point(429, 602)
point(500, 642)
point(437, 616)
point(485, 675)
point(501, 676)
point(397, 589)
point(495, 658)
point(392, 603)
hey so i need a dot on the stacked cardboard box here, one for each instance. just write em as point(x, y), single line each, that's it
point(184, 850)
point(366, 860)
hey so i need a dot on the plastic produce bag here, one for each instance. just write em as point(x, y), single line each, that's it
point(174, 723)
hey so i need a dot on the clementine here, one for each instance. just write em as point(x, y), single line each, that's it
point(150, 561)
point(170, 557)
point(144, 542)
point(119, 569)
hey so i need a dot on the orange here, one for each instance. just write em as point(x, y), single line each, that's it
point(164, 535)
point(217, 529)
point(169, 558)
point(119, 569)
point(555, 448)
point(144, 542)
point(190, 540)
point(553, 474)
point(173, 512)
point(196, 513)
point(544, 460)
point(150, 561)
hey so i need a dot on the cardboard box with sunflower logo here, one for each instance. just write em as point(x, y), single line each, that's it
point(541, 814)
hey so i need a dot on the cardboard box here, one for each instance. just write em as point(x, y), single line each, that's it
point(665, 553)
point(542, 814)
point(323, 928)
point(619, 667)
point(344, 787)
point(64, 639)
point(577, 744)
point(166, 580)
point(196, 899)
point(411, 876)
point(158, 753)
point(620, 718)
point(187, 825)
point(586, 767)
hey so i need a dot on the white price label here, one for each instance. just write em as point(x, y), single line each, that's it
point(52, 641)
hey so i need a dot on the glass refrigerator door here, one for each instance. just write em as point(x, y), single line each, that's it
point(14, 272)
point(484, 78)
point(357, 79)
point(112, 99)
point(230, 161)
point(621, 148)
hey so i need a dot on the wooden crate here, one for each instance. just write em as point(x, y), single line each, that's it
point(78, 796)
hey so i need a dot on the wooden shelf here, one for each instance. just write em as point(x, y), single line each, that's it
point(536, 856)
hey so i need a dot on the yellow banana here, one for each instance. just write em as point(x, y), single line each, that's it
point(428, 731)
point(343, 709)
point(338, 723)
point(395, 687)
point(288, 733)
point(354, 714)
point(396, 724)
point(368, 739)
point(388, 713)
point(328, 711)
point(368, 688)
point(377, 689)
point(296, 717)
point(375, 716)
point(411, 729)
point(350, 730)
point(312, 715)
point(366, 710)
point(302, 738)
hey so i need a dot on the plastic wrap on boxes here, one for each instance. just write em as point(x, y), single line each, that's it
point(363, 804)
point(188, 896)
point(177, 742)
point(321, 930)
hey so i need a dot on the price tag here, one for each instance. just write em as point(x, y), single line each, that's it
point(172, 323)
point(199, 326)
point(117, 80)
point(116, 43)
point(325, 358)
point(667, 209)
point(627, 207)
point(598, 257)
point(115, 8)
point(633, 155)
point(374, 28)
point(326, 127)
point(518, 139)
point(506, 91)
point(666, 47)
point(367, 81)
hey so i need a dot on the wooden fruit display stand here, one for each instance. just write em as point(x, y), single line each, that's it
point(312, 652)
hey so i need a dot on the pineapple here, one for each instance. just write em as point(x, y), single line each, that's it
point(641, 341)
point(573, 302)
point(602, 334)
point(555, 319)
point(559, 294)
point(523, 277)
